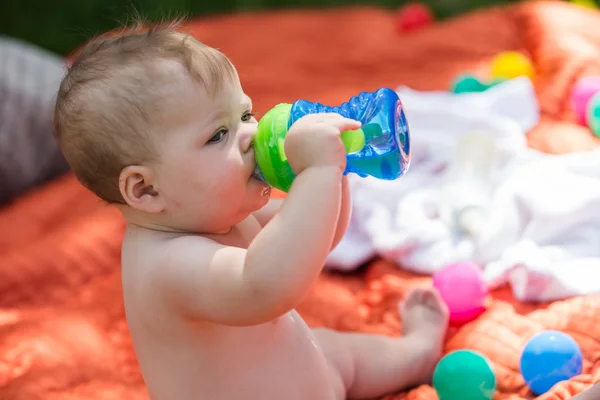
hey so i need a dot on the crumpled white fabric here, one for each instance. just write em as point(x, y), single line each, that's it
point(542, 230)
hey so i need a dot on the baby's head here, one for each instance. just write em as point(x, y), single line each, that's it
point(157, 123)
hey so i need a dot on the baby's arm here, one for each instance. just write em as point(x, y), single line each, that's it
point(234, 286)
point(345, 213)
point(265, 214)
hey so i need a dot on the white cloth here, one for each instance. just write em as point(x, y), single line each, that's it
point(542, 233)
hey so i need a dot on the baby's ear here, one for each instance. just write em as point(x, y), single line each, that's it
point(135, 184)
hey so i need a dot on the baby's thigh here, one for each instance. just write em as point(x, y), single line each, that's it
point(338, 358)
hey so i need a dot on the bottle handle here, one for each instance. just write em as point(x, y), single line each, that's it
point(354, 140)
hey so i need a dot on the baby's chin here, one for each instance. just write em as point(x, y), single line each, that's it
point(259, 189)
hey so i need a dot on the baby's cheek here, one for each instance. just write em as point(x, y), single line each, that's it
point(229, 190)
point(178, 186)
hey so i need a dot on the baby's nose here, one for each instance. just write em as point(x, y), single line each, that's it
point(247, 139)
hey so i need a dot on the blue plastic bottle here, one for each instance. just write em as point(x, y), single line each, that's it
point(381, 148)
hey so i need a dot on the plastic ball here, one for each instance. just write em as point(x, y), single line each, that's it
point(413, 16)
point(464, 375)
point(468, 83)
point(511, 64)
point(463, 289)
point(548, 358)
point(593, 114)
point(582, 92)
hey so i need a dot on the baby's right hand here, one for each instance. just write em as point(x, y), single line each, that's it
point(314, 141)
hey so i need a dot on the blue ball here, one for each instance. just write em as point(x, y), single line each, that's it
point(548, 358)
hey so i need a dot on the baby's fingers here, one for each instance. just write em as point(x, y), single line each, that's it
point(346, 124)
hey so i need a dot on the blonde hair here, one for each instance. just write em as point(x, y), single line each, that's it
point(109, 96)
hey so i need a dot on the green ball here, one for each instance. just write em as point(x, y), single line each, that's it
point(593, 114)
point(464, 375)
point(468, 83)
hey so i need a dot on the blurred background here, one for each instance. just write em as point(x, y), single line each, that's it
point(62, 25)
point(63, 331)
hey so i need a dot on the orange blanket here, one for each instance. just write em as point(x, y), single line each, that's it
point(62, 329)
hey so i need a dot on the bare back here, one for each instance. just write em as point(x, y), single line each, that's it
point(183, 359)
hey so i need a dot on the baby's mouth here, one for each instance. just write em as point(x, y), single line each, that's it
point(258, 174)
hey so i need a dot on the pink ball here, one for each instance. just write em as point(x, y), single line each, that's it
point(582, 92)
point(463, 289)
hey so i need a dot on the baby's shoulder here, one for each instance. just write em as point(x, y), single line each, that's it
point(153, 248)
point(152, 261)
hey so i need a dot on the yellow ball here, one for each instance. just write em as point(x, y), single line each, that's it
point(511, 64)
point(585, 3)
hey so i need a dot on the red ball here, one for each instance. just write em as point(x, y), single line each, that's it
point(413, 16)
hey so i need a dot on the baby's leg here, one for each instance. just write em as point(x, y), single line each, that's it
point(368, 366)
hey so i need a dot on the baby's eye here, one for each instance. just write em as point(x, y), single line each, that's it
point(248, 116)
point(218, 136)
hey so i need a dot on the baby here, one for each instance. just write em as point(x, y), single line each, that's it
point(158, 124)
